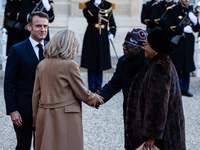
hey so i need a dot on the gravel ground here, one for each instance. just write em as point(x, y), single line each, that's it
point(103, 128)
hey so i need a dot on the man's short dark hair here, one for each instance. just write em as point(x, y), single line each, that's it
point(37, 13)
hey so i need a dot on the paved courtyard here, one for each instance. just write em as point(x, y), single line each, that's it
point(103, 128)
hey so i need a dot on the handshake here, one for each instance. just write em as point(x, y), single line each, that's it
point(97, 100)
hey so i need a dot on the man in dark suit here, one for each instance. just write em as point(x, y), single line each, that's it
point(127, 67)
point(20, 75)
point(16, 15)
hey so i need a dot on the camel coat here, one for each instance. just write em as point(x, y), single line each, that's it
point(57, 112)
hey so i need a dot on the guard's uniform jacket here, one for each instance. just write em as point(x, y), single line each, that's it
point(96, 51)
point(159, 11)
point(146, 14)
point(16, 12)
point(184, 51)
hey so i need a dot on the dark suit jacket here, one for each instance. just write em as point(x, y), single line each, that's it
point(122, 78)
point(19, 79)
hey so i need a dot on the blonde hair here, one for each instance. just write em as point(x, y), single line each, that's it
point(64, 45)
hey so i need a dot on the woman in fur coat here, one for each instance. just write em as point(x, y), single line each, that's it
point(155, 111)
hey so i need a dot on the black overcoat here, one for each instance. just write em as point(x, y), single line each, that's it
point(155, 106)
point(96, 51)
point(184, 51)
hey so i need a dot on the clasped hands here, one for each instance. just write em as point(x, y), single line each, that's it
point(97, 100)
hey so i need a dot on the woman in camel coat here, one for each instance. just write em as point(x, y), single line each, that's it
point(57, 96)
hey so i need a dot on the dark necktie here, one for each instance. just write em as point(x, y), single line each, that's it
point(40, 52)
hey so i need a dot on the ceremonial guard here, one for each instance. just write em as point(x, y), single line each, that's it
point(159, 11)
point(16, 15)
point(96, 52)
point(183, 21)
point(146, 14)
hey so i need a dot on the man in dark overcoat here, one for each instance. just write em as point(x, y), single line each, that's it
point(20, 76)
point(96, 52)
point(127, 67)
point(183, 56)
point(16, 17)
point(146, 14)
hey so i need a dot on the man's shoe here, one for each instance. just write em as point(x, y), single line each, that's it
point(186, 93)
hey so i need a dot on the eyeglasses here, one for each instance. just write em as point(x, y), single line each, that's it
point(129, 46)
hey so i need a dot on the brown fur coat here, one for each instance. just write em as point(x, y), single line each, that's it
point(155, 106)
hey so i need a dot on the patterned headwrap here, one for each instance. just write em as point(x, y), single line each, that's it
point(136, 37)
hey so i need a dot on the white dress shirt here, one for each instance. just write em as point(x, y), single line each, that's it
point(35, 47)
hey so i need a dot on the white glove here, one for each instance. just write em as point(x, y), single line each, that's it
point(188, 29)
point(110, 36)
point(46, 4)
point(193, 18)
point(97, 2)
